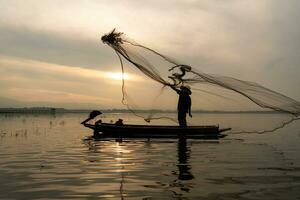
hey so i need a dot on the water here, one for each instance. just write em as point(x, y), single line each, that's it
point(45, 157)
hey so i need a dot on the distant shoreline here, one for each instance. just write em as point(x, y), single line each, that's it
point(48, 110)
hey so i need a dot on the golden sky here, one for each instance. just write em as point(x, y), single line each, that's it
point(51, 53)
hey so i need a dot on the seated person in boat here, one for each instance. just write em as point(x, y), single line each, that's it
point(119, 122)
point(184, 104)
point(98, 122)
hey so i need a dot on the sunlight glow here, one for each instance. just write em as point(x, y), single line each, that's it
point(117, 75)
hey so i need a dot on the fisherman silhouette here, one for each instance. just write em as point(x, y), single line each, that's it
point(184, 104)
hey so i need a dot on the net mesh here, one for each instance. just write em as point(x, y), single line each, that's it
point(214, 92)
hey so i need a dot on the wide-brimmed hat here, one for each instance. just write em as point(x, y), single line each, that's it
point(186, 88)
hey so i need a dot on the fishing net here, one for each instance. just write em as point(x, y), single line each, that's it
point(210, 92)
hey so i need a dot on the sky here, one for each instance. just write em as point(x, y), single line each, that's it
point(51, 52)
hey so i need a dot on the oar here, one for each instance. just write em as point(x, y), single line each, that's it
point(93, 114)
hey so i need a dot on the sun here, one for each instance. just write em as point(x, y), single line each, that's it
point(117, 75)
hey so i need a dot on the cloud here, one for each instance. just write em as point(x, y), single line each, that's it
point(53, 48)
point(251, 40)
point(34, 81)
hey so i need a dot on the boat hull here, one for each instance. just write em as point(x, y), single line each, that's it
point(105, 130)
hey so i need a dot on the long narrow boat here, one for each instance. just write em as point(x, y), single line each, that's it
point(106, 130)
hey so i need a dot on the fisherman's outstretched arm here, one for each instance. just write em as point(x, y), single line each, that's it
point(174, 88)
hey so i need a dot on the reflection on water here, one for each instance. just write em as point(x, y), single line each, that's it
point(45, 157)
point(184, 167)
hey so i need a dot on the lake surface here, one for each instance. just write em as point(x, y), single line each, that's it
point(46, 157)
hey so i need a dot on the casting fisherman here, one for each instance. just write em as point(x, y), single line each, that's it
point(184, 104)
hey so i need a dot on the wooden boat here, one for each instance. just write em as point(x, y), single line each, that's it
point(106, 130)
